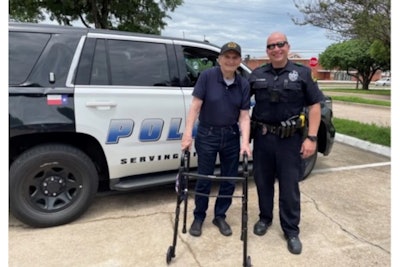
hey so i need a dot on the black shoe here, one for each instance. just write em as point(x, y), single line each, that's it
point(294, 244)
point(260, 228)
point(195, 229)
point(223, 226)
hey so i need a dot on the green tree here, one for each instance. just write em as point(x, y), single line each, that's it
point(368, 20)
point(352, 56)
point(146, 16)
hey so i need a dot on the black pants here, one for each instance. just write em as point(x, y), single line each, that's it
point(278, 158)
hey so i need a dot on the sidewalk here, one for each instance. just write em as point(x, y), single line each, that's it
point(370, 114)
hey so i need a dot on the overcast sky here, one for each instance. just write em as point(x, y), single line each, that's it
point(246, 22)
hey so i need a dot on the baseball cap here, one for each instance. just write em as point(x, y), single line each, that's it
point(231, 46)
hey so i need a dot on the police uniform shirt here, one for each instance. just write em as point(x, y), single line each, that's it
point(283, 94)
point(221, 102)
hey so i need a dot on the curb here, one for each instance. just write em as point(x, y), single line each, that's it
point(379, 149)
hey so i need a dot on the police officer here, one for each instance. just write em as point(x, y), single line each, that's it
point(282, 90)
point(221, 103)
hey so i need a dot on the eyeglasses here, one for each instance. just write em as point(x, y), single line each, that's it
point(278, 44)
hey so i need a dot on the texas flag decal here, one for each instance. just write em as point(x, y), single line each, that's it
point(57, 100)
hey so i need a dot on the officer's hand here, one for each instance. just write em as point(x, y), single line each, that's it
point(308, 148)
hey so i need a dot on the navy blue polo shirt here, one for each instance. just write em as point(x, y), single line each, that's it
point(221, 103)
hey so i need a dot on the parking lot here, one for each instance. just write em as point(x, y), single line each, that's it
point(346, 211)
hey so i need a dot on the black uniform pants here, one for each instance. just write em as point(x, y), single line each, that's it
point(276, 158)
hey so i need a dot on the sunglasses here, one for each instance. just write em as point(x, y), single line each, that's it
point(278, 44)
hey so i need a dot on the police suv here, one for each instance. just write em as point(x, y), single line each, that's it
point(89, 107)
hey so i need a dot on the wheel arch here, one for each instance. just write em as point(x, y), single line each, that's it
point(86, 143)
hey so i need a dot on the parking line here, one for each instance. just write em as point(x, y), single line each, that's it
point(353, 167)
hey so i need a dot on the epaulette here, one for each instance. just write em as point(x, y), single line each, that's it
point(299, 64)
point(263, 66)
point(266, 65)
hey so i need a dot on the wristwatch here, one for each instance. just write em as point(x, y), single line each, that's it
point(313, 138)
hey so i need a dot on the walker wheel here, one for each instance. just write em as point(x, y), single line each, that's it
point(170, 254)
point(248, 261)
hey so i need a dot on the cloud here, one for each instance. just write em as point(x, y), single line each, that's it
point(246, 22)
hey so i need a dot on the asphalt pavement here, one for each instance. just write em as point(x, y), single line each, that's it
point(346, 221)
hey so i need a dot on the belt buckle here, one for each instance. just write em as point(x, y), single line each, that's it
point(264, 130)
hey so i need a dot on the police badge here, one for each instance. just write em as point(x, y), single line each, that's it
point(293, 76)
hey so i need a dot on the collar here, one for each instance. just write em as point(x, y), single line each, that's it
point(221, 77)
point(289, 67)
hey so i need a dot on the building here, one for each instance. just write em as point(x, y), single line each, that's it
point(318, 72)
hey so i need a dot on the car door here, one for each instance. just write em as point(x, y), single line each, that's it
point(127, 96)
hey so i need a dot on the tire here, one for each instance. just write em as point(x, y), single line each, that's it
point(308, 165)
point(51, 185)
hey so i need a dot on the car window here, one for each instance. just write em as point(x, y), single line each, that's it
point(24, 51)
point(198, 60)
point(52, 68)
point(134, 63)
point(99, 74)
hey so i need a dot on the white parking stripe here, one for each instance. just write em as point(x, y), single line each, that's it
point(352, 167)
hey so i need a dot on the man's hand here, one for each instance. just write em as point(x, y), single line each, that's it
point(186, 143)
point(308, 148)
point(245, 148)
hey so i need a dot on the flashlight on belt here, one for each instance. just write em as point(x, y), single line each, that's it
point(302, 118)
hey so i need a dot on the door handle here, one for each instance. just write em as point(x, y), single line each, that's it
point(101, 105)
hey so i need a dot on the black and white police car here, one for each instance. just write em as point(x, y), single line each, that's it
point(90, 107)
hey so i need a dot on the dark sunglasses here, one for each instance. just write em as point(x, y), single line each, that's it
point(278, 44)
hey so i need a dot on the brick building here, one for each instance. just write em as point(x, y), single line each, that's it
point(318, 72)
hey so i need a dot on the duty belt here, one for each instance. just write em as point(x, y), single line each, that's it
point(284, 129)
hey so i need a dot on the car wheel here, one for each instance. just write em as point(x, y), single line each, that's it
point(51, 185)
point(308, 165)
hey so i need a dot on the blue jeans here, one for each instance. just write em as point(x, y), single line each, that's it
point(211, 141)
